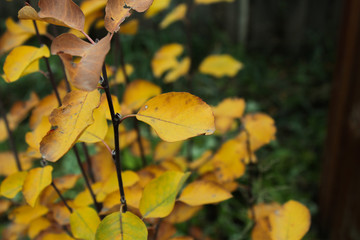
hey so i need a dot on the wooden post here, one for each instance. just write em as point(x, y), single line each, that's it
point(340, 182)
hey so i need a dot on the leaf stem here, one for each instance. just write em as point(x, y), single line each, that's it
point(10, 137)
point(61, 197)
point(116, 121)
point(87, 182)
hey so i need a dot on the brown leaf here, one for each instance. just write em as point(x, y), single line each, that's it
point(84, 74)
point(63, 13)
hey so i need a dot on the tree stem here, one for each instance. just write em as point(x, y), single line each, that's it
point(116, 121)
point(88, 161)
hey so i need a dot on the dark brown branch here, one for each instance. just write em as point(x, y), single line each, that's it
point(120, 52)
point(141, 147)
point(61, 197)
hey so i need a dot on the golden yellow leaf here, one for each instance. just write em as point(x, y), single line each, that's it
point(84, 222)
point(63, 13)
point(176, 116)
point(90, 19)
point(103, 162)
point(37, 226)
point(182, 212)
point(8, 164)
point(29, 55)
point(60, 213)
point(57, 236)
point(84, 199)
point(211, 1)
point(171, 166)
point(165, 150)
point(84, 74)
point(203, 192)
point(159, 194)
point(104, 104)
point(122, 226)
point(34, 138)
point(165, 58)
point(156, 7)
point(120, 77)
point(180, 70)
point(69, 121)
point(230, 107)
point(133, 196)
point(26, 214)
point(117, 10)
point(19, 32)
point(90, 6)
point(261, 230)
point(125, 137)
point(263, 210)
point(220, 66)
point(130, 27)
point(178, 13)
point(291, 222)
point(138, 91)
point(96, 132)
point(13, 184)
point(261, 128)
point(36, 180)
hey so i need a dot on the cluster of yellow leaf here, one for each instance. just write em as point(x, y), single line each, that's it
point(290, 221)
point(165, 59)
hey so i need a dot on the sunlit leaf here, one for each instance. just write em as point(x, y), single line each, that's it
point(182, 212)
point(138, 91)
point(263, 210)
point(291, 222)
point(34, 138)
point(133, 196)
point(117, 10)
point(8, 164)
point(261, 230)
point(122, 226)
point(119, 76)
point(63, 13)
point(103, 162)
point(180, 70)
point(36, 180)
point(220, 66)
point(159, 195)
point(177, 116)
point(84, 74)
point(29, 55)
point(165, 58)
point(84, 222)
point(165, 150)
point(37, 226)
point(13, 184)
point(26, 214)
point(203, 192)
point(156, 7)
point(69, 121)
point(176, 14)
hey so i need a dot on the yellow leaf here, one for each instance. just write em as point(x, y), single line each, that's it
point(138, 91)
point(263, 210)
point(177, 116)
point(211, 1)
point(135, 148)
point(36, 180)
point(26, 214)
point(116, 12)
point(69, 121)
point(181, 70)
point(37, 226)
point(203, 192)
point(90, 6)
point(182, 212)
point(57, 236)
point(103, 162)
point(230, 108)
point(165, 150)
point(261, 129)
point(122, 226)
point(14, 69)
point(96, 131)
point(220, 66)
point(104, 104)
point(84, 199)
point(13, 184)
point(60, 213)
point(165, 58)
point(176, 14)
point(84, 74)
point(63, 13)
point(90, 19)
point(130, 27)
point(201, 160)
point(125, 137)
point(119, 76)
point(4, 205)
point(291, 222)
point(261, 230)
point(156, 7)
point(8, 164)
point(159, 194)
point(84, 222)
point(34, 138)
point(133, 196)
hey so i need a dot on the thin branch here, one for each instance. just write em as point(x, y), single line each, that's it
point(116, 121)
point(10, 137)
point(141, 147)
point(87, 182)
point(88, 161)
point(120, 52)
point(61, 197)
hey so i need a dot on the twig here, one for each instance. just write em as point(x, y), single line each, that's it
point(61, 197)
point(119, 48)
point(10, 137)
point(141, 147)
point(88, 161)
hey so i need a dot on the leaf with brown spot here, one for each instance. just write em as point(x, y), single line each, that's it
point(84, 74)
point(177, 116)
point(117, 10)
point(69, 121)
point(63, 13)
